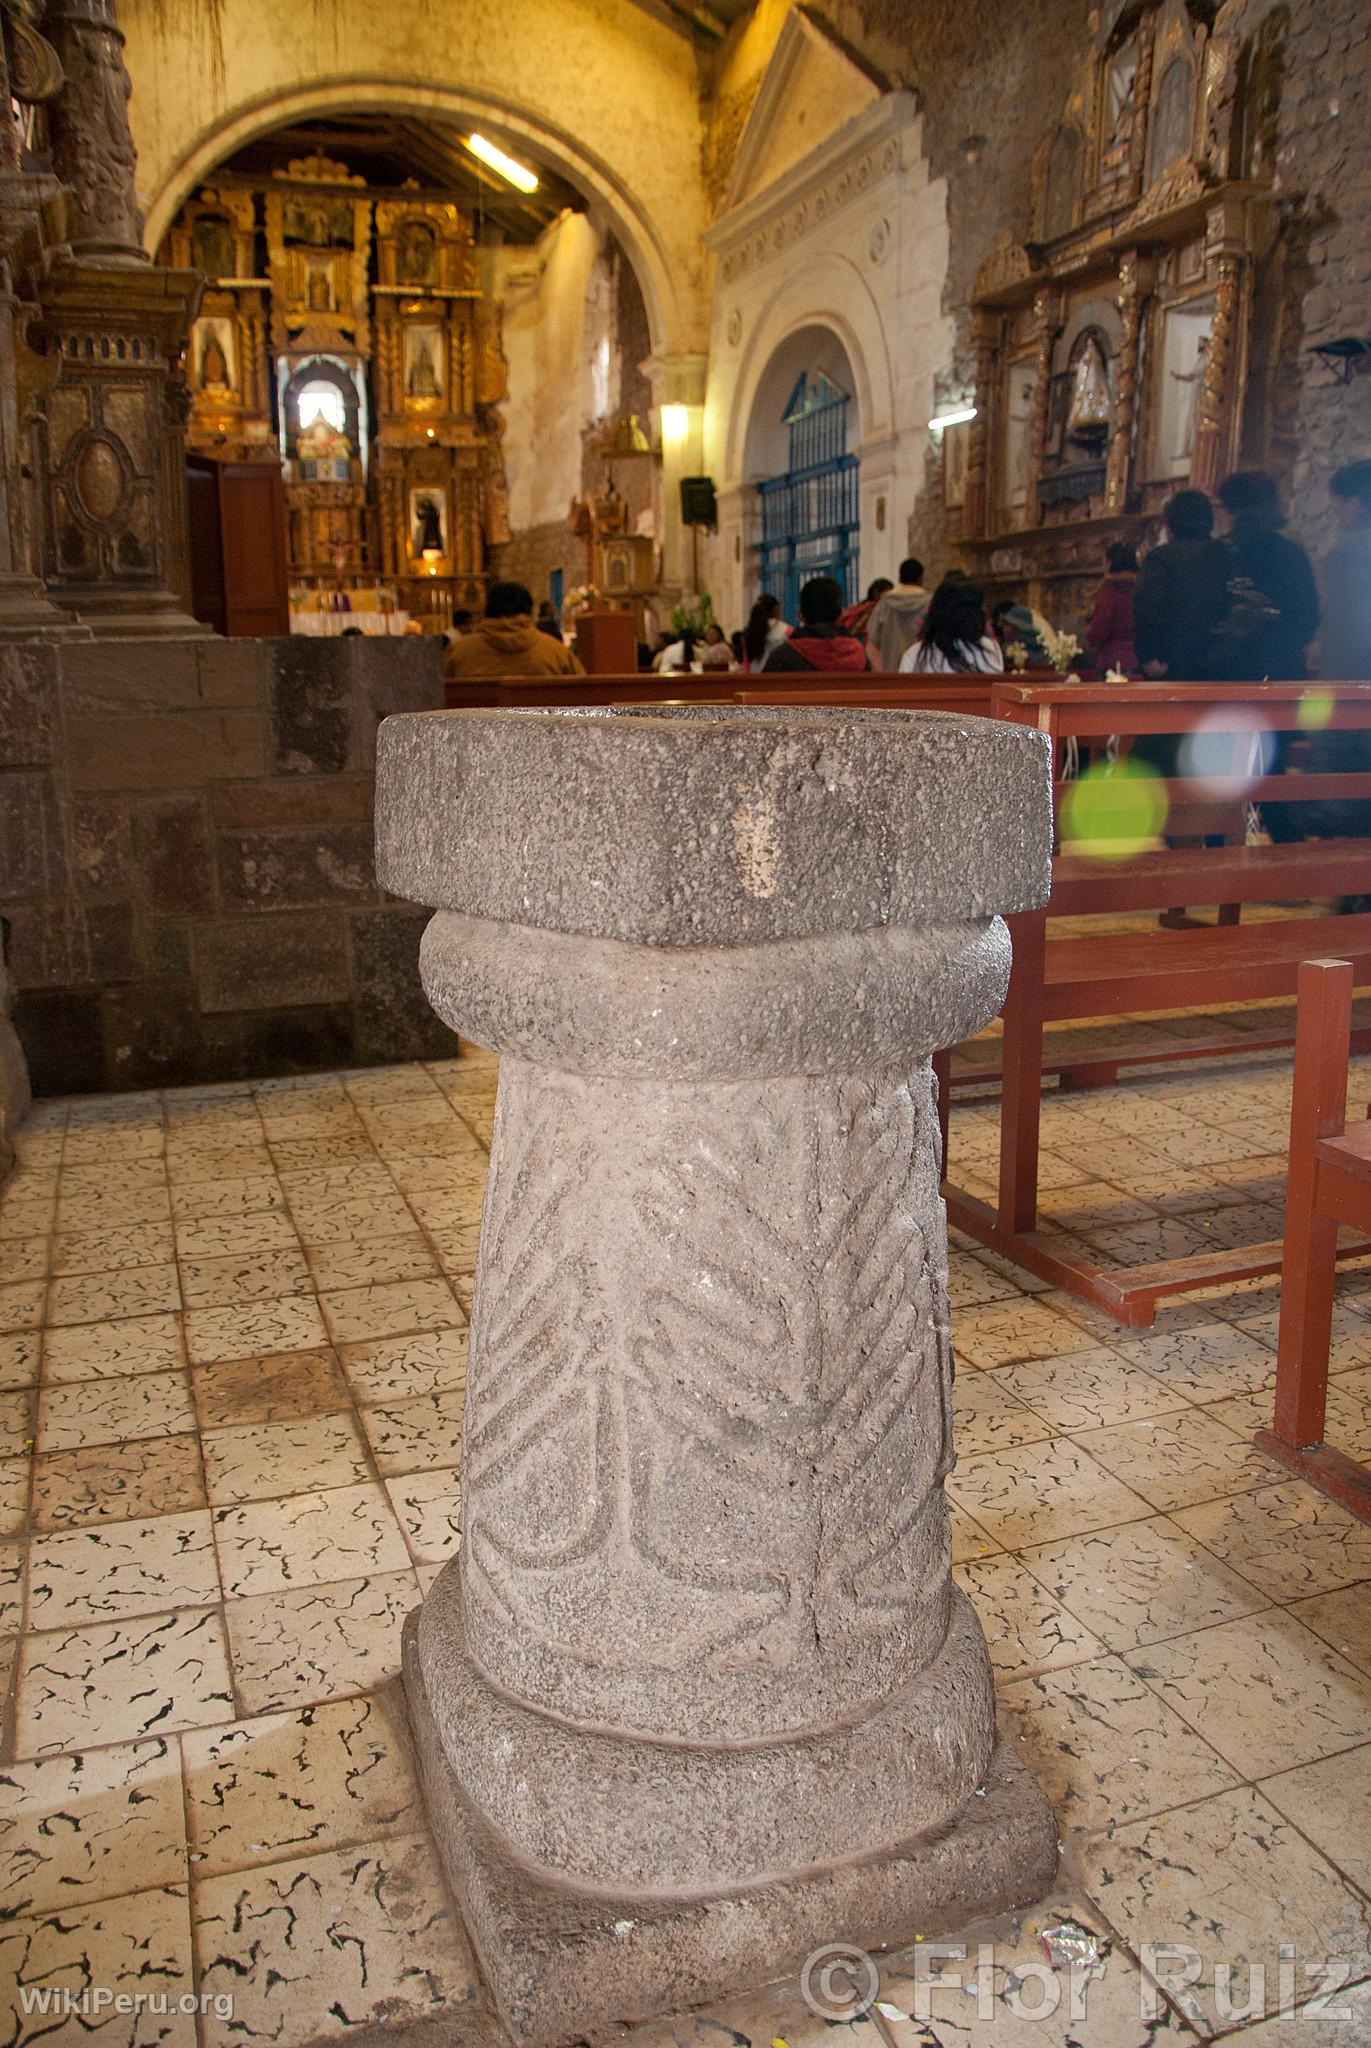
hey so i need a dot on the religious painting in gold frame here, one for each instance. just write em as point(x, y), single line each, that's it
point(956, 444)
point(1182, 336)
point(1016, 440)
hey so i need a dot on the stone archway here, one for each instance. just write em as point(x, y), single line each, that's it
point(580, 109)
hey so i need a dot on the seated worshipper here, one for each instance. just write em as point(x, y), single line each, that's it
point(764, 632)
point(819, 641)
point(506, 646)
point(679, 658)
point(716, 656)
point(955, 639)
point(857, 616)
point(896, 618)
point(1109, 636)
point(1180, 601)
point(1346, 649)
point(1012, 623)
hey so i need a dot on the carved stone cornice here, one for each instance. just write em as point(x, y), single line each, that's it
point(862, 158)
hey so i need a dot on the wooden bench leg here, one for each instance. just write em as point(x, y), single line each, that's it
point(1318, 1110)
point(1021, 1093)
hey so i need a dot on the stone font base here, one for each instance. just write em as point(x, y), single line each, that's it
point(562, 1963)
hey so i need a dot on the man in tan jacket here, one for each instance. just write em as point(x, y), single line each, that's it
point(507, 646)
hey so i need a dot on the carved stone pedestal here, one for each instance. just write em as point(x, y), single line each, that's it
point(698, 1694)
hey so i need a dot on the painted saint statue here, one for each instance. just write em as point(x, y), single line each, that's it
point(422, 381)
point(213, 362)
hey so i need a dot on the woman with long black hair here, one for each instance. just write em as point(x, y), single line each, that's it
point(764, 630)
point(954, 638)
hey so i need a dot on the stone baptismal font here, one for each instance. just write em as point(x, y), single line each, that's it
point(698, 1694)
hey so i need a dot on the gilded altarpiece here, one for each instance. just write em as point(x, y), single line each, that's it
point(362, 355)
point(1111, 347)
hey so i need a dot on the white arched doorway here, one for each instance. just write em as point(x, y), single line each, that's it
point(801, 455)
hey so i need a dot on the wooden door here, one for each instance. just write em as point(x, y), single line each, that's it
point(252, 522)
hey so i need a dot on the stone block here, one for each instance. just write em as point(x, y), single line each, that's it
point(184, 750)
point(28, 690)
point(249, 1044)
point(32, 847)
point(152, 1036)
point(279, 961)
point(134, 675)
point(267, 870)
point(309, 707)
point(73, 945)
point(230, 677)
point(101, 846)
point(62, 1036)
point(295, 801)
point(394, 1020)
point(168, 950)
point(171, 841)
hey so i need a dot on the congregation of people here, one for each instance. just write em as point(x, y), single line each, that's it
point(1240, 606)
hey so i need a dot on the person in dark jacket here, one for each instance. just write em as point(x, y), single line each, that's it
point(1346, 652)
point(819, 641)
point(1182, 594)
point(1109, 636)
point(1278, 570)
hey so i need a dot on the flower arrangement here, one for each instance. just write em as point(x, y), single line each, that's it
point(584, 598)
point(693, 618)
point(1016, 654)
point(1063, 650)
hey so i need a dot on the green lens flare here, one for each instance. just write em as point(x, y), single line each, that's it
point(1315, 709)
point(1116, 809)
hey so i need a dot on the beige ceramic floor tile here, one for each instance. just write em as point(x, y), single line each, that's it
point(1287, 1539)
point(1087, 1389)
point(418, 1435)
point(1026, 1629)
point(1343, 2021)
point(16, 1421)
point(970, 1542)
point(94, 1826)
point(1263, 1690)
point(187, 1164)
point(118, 1482)
point(1141, 1583)
point(112, 1411)
point(11, 1588)
point(986, 1416)
point(1342, 1620)
point(241, 1195)
point(359, 1314)
point(127, 1947)
point(278, 1388)
point(256, 1461)
point(1230, 1879)
point(289, 1785)
point(303, 1155)
point(342, 1220)
point(1003, 1333)
point(428, 1508)
point(92, 1211)
point(114, 1351)
point(401, 1368)
point(1041, 1492)
point(14, 1495)
point(307, 1539)
point(1328, 1801)
point(25, 1258)
point(212, 1237)
point(319, 1643)
point(318, 1947)
point(972, 1284)
point(226, 1282)
point(1205, 1362)
point(21, 1305)
point(374, 1263)
point(21, 1359)
point(1177, 1461)
point(1105, 1748)
point(115, 1569)
point(119, 1681)
point(292, 1323)
point(99, 1297)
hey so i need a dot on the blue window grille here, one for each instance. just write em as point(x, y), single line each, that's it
point(811, 515)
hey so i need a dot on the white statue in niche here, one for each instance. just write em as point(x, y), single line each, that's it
point(1089, 406)
point(1192, 382)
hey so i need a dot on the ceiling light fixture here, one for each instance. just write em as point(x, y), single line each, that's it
point(952, 419)
point(505, 167)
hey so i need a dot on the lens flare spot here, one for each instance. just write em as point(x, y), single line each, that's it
point(1315, 710)
point(1226, 753)
point(1117, 809)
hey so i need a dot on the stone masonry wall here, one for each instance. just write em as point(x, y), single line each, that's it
point(186, 869)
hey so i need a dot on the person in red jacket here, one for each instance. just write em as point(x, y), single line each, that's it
point(1109, 636)
point(820, 641)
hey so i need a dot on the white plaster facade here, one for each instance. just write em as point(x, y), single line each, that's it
point(841, 229)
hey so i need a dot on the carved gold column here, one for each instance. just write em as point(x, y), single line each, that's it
point(1047, 317)
point(1225, 262)
point(1142, 106)
point(985, 339)
point(1129, 300)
